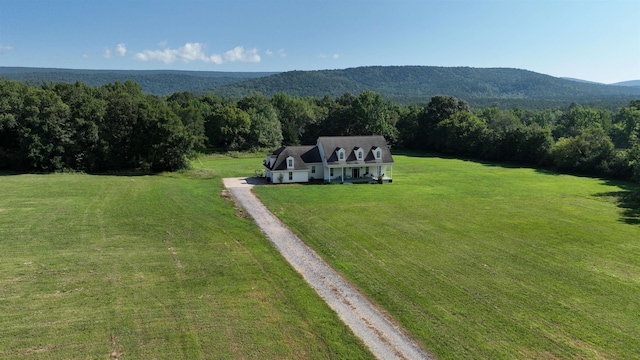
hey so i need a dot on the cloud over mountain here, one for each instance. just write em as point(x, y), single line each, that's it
point(195, 52)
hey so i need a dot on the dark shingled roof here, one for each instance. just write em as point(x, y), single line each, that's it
point(350, 143)
point(302, 155)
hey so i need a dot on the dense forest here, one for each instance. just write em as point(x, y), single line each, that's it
point(158, 82)
point(117, 127)
point(406, 85)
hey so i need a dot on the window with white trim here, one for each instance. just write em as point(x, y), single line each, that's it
point(331, 172)
point(313, 169)
point(377, 153)
point(359, 154)
point(290, 162)
point(290, 175)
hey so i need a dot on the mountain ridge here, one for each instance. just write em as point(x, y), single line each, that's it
point(403, 84)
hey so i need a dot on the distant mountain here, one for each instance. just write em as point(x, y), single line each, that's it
point(414, 84)
point(481, 87)
point(159, 82)
point(580, 80)
point(632, 83)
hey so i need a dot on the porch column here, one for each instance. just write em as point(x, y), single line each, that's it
point(342, 174)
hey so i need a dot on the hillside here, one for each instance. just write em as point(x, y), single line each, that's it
point(632, 83)
point(158, 82)
point(405, 85)
point(414, 84)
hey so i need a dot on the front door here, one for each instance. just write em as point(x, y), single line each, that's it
point(355, 172)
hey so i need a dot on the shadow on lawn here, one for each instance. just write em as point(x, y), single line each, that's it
point(627, 199)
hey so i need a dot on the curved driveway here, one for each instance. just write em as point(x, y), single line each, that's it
point(384, 339)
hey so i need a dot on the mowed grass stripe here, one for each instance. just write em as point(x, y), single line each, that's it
point(483, 261)
point(149, 267)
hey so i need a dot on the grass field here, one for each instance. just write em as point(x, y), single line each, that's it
point(150, 267)
point(480, 261)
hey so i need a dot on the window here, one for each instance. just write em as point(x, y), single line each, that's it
point(359, 154)
point(290, 162)
point(290, 175)
point(366, 170)
point(331, 172)
point(341, 155)
point(377, 152)
point(313, 169)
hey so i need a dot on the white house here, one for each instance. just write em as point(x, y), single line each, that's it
point(342, 159)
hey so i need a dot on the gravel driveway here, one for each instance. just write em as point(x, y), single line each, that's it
point(384, 339)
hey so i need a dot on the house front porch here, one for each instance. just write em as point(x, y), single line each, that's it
point(357, 174)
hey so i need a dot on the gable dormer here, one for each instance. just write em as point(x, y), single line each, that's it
point(359, 153)
point(290, 163)
point(377, 153)
point(340, 154)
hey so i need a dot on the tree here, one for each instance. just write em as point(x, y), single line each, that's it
point(578, 118)
point(265, 130)
point(629, 120)
point(228, 127)
point(461, 133)
point(296, 116)
point(87, 113)
point(522, 144)
point(163, 141)
point(117, 132)
point(374, 116)
point(408, 127)
point(11, 103)
point(191, 112)
point(335, 120)
point(43, 132)
point(439, 108)
point(590, 152)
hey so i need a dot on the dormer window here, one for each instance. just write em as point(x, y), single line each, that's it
point(290, 162)
point(340, 154)
point(377, 153)
point(359, 153)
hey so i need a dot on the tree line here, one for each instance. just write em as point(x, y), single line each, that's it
point(116, 127)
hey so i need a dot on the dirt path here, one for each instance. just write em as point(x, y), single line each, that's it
point(384, 339)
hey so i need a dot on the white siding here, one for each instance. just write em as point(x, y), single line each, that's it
point(297, 176)
point(319, 174)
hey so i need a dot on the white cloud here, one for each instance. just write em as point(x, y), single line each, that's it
point(195, 52)
point(281, 53)
point(5, 48)
point(121, 50)
point(324, 56)
point(189, 52)
point(239, 54)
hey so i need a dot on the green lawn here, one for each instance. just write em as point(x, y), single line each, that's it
point(150, 267)
point(483, 261)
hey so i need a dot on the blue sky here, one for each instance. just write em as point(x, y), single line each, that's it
point(585, 39)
